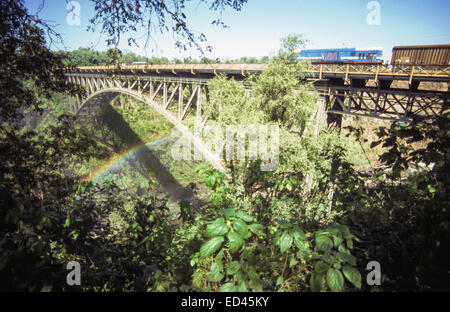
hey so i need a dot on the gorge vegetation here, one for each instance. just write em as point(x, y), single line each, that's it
point(313, 224)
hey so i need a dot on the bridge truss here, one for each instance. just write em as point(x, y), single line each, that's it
point(165, 92)
point(343, 86)
point(395, 105)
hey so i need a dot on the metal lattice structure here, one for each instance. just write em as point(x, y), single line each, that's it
point(342, 88)
point(160, 93)
point(321, 71)
point(401, 105)
point(165, 96)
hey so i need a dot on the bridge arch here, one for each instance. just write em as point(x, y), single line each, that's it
point(208, 155)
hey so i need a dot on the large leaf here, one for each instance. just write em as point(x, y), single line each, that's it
point(317, 281)
point(228, 287)
point(323, 243)
point(229, 212)
point(346, 257)
point(258, 229)
point(241, 227)
point(285, 242)
point(352, 275)
point(329, 258)
point(211, 246)
point(253, 275)
point(214, 276)
point(299, 238)
point(216, 272)
point(335, 280)
point(242, 215)
point(236, 241)
point(337, 240)
point(233, 267)
point(216, 228)
point(210, 181)
point(321, 267)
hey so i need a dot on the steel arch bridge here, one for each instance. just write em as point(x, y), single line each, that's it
point(344, 90)
point(166, 97)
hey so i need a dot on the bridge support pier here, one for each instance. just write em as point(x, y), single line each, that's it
point(333, 119)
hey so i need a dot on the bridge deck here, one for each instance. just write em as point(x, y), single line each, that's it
point(320, 71)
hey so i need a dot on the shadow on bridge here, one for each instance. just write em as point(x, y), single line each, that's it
point(147, 160)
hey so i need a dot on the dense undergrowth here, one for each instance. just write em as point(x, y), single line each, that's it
point(312, 224)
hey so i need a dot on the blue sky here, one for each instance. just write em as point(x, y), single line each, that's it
point(257, 29)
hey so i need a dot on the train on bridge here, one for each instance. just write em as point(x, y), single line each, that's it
point(421, 55)
point(344, 55)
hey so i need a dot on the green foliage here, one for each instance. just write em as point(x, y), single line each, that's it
point(259, 231)
point(30, 73)
point(404, 210)
point(240, 254)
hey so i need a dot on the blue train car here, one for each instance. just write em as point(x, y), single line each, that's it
point(344, 55)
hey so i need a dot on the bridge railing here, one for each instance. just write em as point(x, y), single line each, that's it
point(321, 71)
point(379, 70)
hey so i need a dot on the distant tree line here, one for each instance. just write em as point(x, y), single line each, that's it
point(90, 57)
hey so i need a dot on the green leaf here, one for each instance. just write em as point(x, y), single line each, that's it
point(241, 227)
point(349, 244)
point(211, 246)
point(253, 275)
point(323, 243)
point(236, 241)
point(217, 199)
point(258, 229)
point(239, 276)
point(210, 181)
point(431, 189)
point(228, 287)
point(285, 242)
point(337, 240)
point(233, 268)
point(346, 257)
point(321, 267)
point(342, 249)
point(346, 232)
point(294, 181)
point(242, 215)
point(335, 280)
point(352, 275)
point(218, 227)
point(328, 258)
point(216, 272)
point(214, 276)
point(280, 280)
point(299, 237)
point(242, 287)
point(293, 262)
point(217, 266)
point(229, 212)
point(317, 281)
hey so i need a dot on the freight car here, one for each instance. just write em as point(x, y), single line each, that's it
point(345, 55)
point(436, 55)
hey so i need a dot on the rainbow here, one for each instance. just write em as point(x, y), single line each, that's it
point(118, 159)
